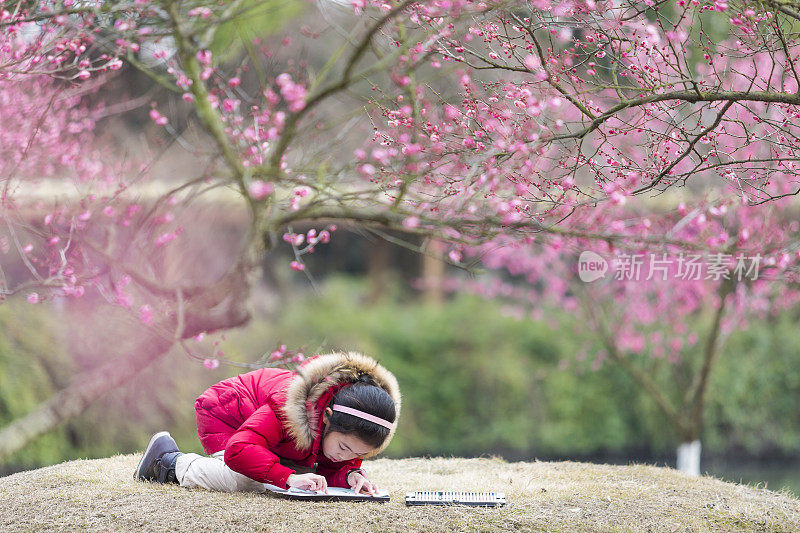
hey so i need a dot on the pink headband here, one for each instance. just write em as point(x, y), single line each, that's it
point(362, 414)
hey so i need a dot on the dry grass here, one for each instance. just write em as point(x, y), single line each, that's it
point(101, 495)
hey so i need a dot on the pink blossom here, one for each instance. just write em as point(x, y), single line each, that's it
point(451, 112)
point(412, 149)
point(164, 238)
point(33, 298)
point(277, 354)
point(230, 105)
point(532, 62)
point(164, 219)
point(146, 314)
point(260, 189)
point(302, 191)
point(211, 364)
point(183, 81)
point(411, 222)
point(203, 12)
point(296, 265)
point(73, 290)
point(358, 5)
point(293, 93)
point(124, 299)
point(158, 118)
point(204, 57)
point(366, 170)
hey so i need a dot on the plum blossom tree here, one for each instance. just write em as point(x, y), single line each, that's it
point(659, 309)
point(515, 123)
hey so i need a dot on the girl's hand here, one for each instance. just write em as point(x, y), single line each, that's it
point(308, 482)
point(358, 482)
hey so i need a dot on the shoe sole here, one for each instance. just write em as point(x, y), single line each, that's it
point(146, 450)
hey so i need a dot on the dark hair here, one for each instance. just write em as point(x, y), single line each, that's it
point(365, 396)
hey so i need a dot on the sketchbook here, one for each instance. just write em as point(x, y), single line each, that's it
point(334, 494)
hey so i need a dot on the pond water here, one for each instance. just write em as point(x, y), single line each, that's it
point(775, 474)
point(770, 475)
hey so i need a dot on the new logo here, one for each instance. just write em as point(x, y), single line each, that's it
point(591, 266)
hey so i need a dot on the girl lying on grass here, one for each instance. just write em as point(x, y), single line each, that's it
point(308, 429)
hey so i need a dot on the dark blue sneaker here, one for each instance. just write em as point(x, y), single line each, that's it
point(158, 461)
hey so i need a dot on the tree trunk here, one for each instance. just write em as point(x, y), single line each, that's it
point(433, 272)
point(689, 458)
point(694, 402)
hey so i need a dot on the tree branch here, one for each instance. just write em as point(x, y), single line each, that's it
point(83, 391)
point(688, 150)
point(346, 80)
point(394, 219)
point(685, 96)
point(208, 115)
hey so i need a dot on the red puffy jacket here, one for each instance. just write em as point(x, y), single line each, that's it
point(271, 414)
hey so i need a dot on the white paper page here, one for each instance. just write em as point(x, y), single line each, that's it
point(338, 491)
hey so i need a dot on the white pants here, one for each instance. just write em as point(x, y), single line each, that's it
point(211, 473)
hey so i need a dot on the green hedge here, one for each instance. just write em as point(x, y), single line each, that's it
point(475, 379)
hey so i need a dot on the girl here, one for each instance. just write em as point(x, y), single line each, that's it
point(308, 429)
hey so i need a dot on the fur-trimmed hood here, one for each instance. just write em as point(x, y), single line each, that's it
point(322, 373)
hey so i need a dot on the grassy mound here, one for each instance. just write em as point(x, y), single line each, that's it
point(101, 495)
